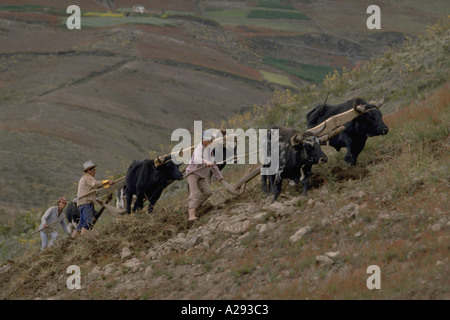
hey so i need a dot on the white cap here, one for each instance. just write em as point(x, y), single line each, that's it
point(88, 165)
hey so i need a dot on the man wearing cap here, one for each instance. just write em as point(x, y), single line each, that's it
point(86, 199)
point(198, 173)
point(49, 223)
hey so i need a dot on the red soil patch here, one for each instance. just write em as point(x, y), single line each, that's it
point(254, 31)
point(179, 5)
point(182, 5)
point(31, 17)
point(40, 128)
point(174, 44)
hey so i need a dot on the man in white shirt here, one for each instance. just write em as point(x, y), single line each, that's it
point(198, 172)
point(49, 223)
point(86, 197)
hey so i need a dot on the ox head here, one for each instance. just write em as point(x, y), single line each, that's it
point(371, 121)
point(310, 144)
point(165, 165)
point(314, 153)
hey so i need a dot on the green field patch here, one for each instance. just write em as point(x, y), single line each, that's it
point(277, 79)
point(232, 13)
point(275, 4)
point(32, 8)
point(22, 8)
point(300, 26)
point(96, 22)
point(179, 13)
point(276, 14)
point(306, 72)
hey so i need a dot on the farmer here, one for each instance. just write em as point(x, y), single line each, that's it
point(86, 202)
point(50, 223)
point(198, 172)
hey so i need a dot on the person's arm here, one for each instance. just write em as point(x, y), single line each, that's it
point(46, 215)
point(91, 182)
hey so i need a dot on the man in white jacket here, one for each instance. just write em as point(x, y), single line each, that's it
point(198, 172)
point(48, 226)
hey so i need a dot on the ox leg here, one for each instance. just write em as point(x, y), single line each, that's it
point(348, 156)
point(271, 184)
point(264, 185)
point(276, 188)
point(120, 202)
point(139, 203)
point(305, 181)
point(129, 197)
point(357, 150)
point(154, 198)
point(72, 225)
point(354, 148)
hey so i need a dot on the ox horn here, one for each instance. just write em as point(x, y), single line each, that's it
point(315, 131)
point(359, 108)
point(326, 98)
point(159, 161)
point(296, 139)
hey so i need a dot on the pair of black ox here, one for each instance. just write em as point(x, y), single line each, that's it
point(298, 152)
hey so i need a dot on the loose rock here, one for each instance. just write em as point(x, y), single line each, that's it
point(300, 234)
point(126, 253)
point(324, 260)
point(332, 254)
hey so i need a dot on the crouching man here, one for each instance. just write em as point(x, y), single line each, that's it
point(49, 224)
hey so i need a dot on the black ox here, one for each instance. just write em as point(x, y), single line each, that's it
point(297, 154)
point(368, 124)
point(147, 178)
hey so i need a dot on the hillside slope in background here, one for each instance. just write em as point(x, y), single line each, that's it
point(116, 89)
point(391, 210)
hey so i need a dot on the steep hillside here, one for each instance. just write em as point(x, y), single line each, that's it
point(390, 211)
point(116, 89)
